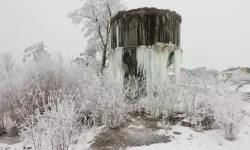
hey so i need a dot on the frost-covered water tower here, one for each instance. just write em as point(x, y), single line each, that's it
point(144, 43)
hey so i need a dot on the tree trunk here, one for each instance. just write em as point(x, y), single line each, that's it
point(104, 58)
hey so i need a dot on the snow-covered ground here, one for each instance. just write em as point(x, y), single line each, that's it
point(209, 140)
point(245, 88)
point(84, 141)
point(186, 140)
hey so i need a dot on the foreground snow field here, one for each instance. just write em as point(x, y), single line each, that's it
point(209, 140)
point(186, 140)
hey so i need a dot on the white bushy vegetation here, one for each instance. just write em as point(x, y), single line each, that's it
point(114, 107)
point(7, 66)
point(104, 102)
point(225, 107)
point(213, 97)
point(28, 88)
point(54, 93)
point(57, 99)
point(199, 97)
point(55, 128)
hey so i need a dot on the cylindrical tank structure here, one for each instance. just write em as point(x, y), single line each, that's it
point(145, 26)
point(130, 30)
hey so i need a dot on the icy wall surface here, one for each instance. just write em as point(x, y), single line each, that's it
point(152, 62)
point(116, 64)
point(177, 63)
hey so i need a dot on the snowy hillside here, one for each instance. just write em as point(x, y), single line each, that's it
point(238, 77)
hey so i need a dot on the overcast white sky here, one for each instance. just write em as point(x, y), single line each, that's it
point(214, 33)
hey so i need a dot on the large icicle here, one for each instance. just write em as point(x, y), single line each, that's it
point(152, 62)
point(116, 62)
point(177, 63)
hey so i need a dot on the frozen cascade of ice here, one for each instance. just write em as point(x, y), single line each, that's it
point(116, 64)
point(152, 61)
point(116, 61)
point(177, 63)
point(153, 64)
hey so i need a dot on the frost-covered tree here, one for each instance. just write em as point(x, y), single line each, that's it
point(6, 63)
point(87, 60)
point(95, 16)
point(8, 91)
point(36, 52)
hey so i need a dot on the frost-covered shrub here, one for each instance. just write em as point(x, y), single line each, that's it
point(56, 127)
point(28, 89)
point(114, 107)
point(167, 100)
point(209, 96)
point(36, 80)
point(10, 95)
point(217, 99)
point(104, 102)
point(225, 107)
point(57, 119)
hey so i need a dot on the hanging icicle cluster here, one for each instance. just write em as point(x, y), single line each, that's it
point(177, 63)
point(116, 64)
point(116, 61)
point(152, 62)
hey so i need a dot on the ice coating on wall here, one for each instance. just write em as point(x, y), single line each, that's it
point(116, 61)
point(177, 63)
point(152, 62)
point(117, 35)
point(116, 64)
